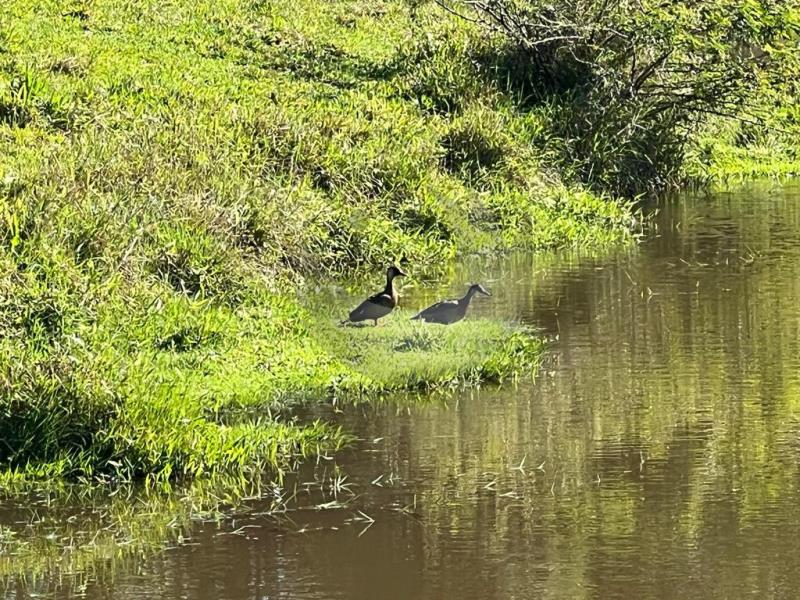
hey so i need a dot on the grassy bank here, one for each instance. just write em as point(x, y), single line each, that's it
point(762, 142)
point(105, 402)
point(170, 173)
point(731, 152)
point(205, 401)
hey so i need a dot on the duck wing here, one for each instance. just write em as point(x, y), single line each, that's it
point(374, 307)
point(441, 312)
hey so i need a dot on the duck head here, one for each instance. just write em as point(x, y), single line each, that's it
point(393, 272)
point(479, 289)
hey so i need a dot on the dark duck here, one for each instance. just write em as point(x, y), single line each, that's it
point(380, 304)
point(451, 311)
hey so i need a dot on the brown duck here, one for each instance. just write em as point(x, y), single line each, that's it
point(451, 311)
point(379, 305)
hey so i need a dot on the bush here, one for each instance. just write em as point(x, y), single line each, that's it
point(632, 80)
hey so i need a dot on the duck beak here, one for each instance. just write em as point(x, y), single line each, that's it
point(485, 292)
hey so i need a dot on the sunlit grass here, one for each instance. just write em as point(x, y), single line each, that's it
point(170, 174)
point(168, 181)
point(405, 354)
point(728, 151)
point(169, 387)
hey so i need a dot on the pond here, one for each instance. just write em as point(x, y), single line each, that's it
point(656, 455)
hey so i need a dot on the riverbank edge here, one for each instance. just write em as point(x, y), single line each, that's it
point(156, 228)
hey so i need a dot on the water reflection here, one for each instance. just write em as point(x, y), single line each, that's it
point(655, 457)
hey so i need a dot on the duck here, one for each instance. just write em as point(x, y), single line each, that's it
point(380, 304)
point(451, 311)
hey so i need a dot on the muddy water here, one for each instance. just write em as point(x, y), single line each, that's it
point(656, 456)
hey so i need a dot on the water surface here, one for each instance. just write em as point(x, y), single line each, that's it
point(656, 455)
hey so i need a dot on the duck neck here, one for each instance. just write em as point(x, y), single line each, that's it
point(468, 296)
point(389, 284)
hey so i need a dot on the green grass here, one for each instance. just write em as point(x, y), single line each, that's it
point(299, 134)
point(723, 162)
point(104, 401)
point(187, 389)
point(171, 174)
point(760, 146)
